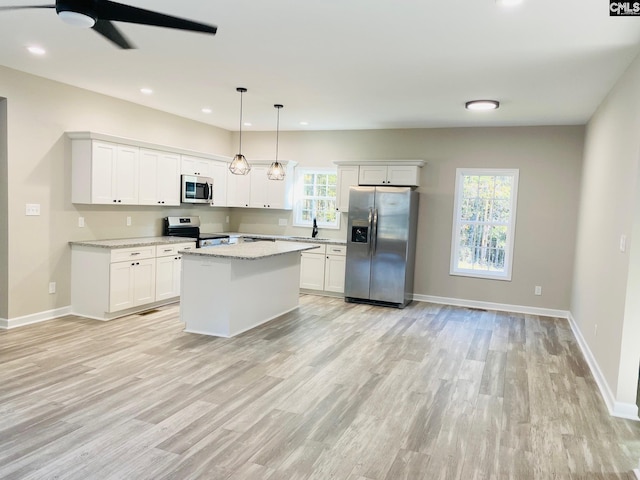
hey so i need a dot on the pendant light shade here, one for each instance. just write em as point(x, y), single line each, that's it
point(276, 170)
point(239, 164)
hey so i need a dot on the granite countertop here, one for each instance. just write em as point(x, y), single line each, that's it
point(288, 238)
point(250, 251)
point(133, 242)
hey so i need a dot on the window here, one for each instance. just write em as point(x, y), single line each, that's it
point(484, 222)
point(316, 198)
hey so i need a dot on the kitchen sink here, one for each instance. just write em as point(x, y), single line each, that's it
point(309, 239)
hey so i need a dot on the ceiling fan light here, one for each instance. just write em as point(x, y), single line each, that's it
point(239, 165)
point(76, 19)
point(482, 105)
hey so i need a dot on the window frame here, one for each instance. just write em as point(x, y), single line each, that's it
point(298, 197)
point(458, 223)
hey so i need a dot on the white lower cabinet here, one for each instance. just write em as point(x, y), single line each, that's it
point(334, 268)
point(323, 268)
point(107, 283)
point(132, 284)
point(168, 270)
point(312, 269)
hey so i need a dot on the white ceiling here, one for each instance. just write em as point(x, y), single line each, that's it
point(345, 64)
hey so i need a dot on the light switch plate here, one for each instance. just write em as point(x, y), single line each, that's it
point(32, 209)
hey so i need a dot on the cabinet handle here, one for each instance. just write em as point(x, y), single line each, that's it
point(167, 249)
point(119, 201)
point(134, 254)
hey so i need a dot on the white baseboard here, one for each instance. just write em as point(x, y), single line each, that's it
point(616, 409)
point(6, 324)
point(502, 307)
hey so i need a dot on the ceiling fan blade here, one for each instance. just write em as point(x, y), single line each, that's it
point(108, 10)
point(108, 30)
point(22, 7)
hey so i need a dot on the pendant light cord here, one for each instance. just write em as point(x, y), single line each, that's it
point(240, 146)
point(277, 134)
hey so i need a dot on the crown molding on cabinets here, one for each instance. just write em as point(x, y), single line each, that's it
point(409, 163)
point(142, 144)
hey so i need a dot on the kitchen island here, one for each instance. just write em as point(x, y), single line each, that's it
point(227, 290)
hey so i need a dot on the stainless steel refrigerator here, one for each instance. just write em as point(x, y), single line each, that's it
point(381, 244)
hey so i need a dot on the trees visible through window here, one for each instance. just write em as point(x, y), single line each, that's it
point(316, 198)
point(484, 222)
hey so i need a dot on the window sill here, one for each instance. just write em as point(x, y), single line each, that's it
point(483, 276)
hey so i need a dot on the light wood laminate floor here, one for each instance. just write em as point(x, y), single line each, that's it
point(330, 391)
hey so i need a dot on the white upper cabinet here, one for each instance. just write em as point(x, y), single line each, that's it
point(219, 174)
point(196, 166)
point(255, 190)
point(104, 173)
point(400, 175)
point(159, 178)
point(347, 177)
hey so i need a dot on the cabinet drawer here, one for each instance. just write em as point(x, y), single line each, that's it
point(138, 253)
point(173, 249)
point(336, 250)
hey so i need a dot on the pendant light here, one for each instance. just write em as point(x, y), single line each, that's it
point(239, 164)
point(276, 170)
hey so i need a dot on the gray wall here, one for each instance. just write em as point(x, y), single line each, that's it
point(606, 281)
point(39, 112)
point(549, 159)
point(4, 217)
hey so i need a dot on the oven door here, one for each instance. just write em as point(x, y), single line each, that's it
point(197, 189)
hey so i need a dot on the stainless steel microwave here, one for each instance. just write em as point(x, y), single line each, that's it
point(197, 189)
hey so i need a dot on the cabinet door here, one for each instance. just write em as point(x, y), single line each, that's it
point(238, 190)
point(219, 172)
point(195, 166)
point(148, 177)
point(126, 175)
point(103, 163)
point(347, 177)
point(372, 175)
point(259, 187)
point(403, 175)
point(334, 273)
point(144, 282)
point(312, 271)
point(168, 178)
point(165, 277)
point(121, 286)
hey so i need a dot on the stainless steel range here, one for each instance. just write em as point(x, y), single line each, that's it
point(189, 227)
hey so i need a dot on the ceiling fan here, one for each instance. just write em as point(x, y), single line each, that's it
point(98, 14)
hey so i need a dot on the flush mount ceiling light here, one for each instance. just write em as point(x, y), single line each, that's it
point(482, 105)
point(239, 164)
point(206, 110)
point(276, 170)
point(146, 91)
point(35, 50)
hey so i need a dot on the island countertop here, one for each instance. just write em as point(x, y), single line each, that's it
point(132, 242)
point(250, 251)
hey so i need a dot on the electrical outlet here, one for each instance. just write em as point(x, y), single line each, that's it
point(595, 330)
point(538, 290)
point(52, 287)
point(282, 222)
point(227, 219)
point(128, 221)
point(81, 222)
point(623, 243)
point(32, 209)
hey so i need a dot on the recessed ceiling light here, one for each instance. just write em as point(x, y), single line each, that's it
point(35, 50)
point(508, 3)
point(247, 124)
point(482, 105)
point(304, 124)
point(146, 91)
point(206, 110)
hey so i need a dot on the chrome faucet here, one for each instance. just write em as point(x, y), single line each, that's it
point(314, 232)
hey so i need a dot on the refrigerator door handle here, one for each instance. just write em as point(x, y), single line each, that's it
point(374, 233)
point(370, 230)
